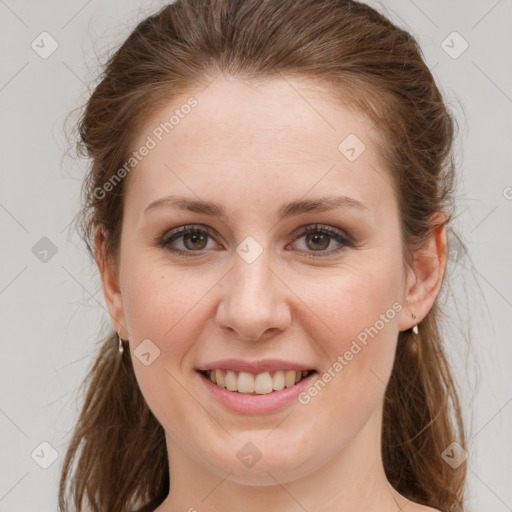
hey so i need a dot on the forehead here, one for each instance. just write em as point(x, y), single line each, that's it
point(288, 133)
point(299, 112)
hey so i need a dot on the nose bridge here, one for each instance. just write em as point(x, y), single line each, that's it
point(252, 302)
point(252, 281)
point(251, 275)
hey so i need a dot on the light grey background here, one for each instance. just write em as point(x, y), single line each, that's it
point(53, 311)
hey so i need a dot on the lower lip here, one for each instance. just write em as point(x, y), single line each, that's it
point(256, 404)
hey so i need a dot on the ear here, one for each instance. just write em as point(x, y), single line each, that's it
point(425, 277)
point(110, 280)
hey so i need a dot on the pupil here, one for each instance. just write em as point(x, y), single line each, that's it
point(315, 237)
point(196, 237)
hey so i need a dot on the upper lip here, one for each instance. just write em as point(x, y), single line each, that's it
point(264, 365)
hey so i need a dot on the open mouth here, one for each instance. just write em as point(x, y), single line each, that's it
point(255, 384)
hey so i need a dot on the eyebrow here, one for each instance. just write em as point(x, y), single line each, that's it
point(320, 204)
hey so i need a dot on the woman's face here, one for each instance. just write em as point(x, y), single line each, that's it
point(264, 285)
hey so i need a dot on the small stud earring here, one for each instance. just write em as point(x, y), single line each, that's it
point(120, 343)
point(415, 328)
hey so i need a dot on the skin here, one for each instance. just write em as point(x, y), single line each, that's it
point(252, 148)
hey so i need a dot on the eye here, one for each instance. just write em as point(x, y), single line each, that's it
point(319, 237)
point(194, 239)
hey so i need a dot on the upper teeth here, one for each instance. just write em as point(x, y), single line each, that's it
point(261, 383)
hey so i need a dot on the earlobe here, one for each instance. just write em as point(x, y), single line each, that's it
point(424, 278)
point(110, 281)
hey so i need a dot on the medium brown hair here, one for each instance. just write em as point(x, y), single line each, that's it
point(365, 61)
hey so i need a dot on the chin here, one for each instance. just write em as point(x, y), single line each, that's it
point(263, 462)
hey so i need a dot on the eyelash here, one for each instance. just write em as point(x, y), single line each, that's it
point(316, 228)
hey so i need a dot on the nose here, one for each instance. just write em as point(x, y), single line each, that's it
point(255, 303)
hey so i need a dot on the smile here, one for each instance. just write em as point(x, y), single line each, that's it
point(259, 384)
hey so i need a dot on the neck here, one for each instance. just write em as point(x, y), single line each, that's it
point(353, 479)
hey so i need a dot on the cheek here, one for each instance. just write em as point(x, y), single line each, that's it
point(360, 308)
point(168, 309)
point(169, 306)
point(349, 303)
point(165, 306)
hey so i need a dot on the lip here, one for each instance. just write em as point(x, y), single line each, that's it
point(256, 404)
point(265, 365)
